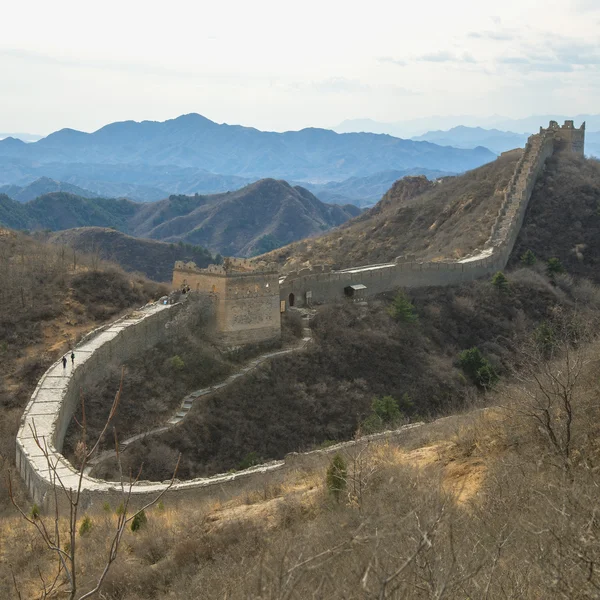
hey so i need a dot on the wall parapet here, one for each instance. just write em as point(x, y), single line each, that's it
point(55, 399)
point(406, 271)
point(56, 396)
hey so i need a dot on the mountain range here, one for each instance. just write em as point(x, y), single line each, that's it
point(496, 140)
point(41, 186)
point(470, 137)
point(149, 160)
point(410, 128)
point(366, 191)
point(257, 218)
point(25, 137)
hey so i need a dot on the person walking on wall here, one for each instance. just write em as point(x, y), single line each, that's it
point(64, 364)
point(72, 358)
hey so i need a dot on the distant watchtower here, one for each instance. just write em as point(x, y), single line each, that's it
point(246, 298)
point(567, 138)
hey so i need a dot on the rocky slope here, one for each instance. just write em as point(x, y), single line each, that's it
point(447, 218)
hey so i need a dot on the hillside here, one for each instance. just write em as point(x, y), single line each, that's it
point(563, 217)
point(259, 217)
point(41, 186)
point(497, 500)
point(141, 182)
point(448, 218)
point(196, 142)
point(153, 259)
point(51, 296)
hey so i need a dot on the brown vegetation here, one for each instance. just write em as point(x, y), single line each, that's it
point(471, 506)
point(50, 297)
point(152, 258)
point(563, 218)
point(325, 392)
point(446, 219)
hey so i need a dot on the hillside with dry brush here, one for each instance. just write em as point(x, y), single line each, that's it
point(446, 218)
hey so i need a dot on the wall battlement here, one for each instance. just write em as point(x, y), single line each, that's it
point(320, 284)
point(248, 299)
point(247, 309)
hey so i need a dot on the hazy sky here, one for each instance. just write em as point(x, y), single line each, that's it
point(275, 64)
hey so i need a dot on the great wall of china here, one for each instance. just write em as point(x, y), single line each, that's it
point(57, 394)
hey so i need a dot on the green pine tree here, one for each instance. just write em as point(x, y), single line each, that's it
point(139, 521)
point(478, 368)
point(500, 282)
point(554, 267)
point(402, 309)
point(528, 258)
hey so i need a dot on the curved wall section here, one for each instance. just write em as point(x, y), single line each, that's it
point(57, 394)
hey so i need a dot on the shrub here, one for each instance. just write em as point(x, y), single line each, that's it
point(336, 477)
point(250, 460)
point(176, 363)
point(86, 526)
point(500, 282)
point(139, 520)
point(477, 367)
point(402, 309)
point(528, 259)
point(386, 408)
point(554, 267)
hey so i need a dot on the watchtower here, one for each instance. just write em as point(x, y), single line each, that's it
point(246, 297)
point(567, 138)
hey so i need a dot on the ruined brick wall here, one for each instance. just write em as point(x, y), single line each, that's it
point(567, 138)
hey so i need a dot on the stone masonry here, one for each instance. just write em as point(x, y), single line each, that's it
point(317, 285)
point(248, 300)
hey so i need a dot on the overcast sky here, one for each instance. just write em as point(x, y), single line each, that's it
point(279, 65)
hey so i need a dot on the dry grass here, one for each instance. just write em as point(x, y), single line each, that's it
point(446, 219)
point(469, 506)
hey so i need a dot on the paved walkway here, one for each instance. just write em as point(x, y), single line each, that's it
point(188, 401)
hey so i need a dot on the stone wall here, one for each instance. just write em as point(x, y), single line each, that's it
point(57, 394)
point(246, 300)
point(318, 285)
point(56, 397)
point(248, 307)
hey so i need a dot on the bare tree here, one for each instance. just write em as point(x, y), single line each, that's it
point(551, 375)
point(66, 506)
